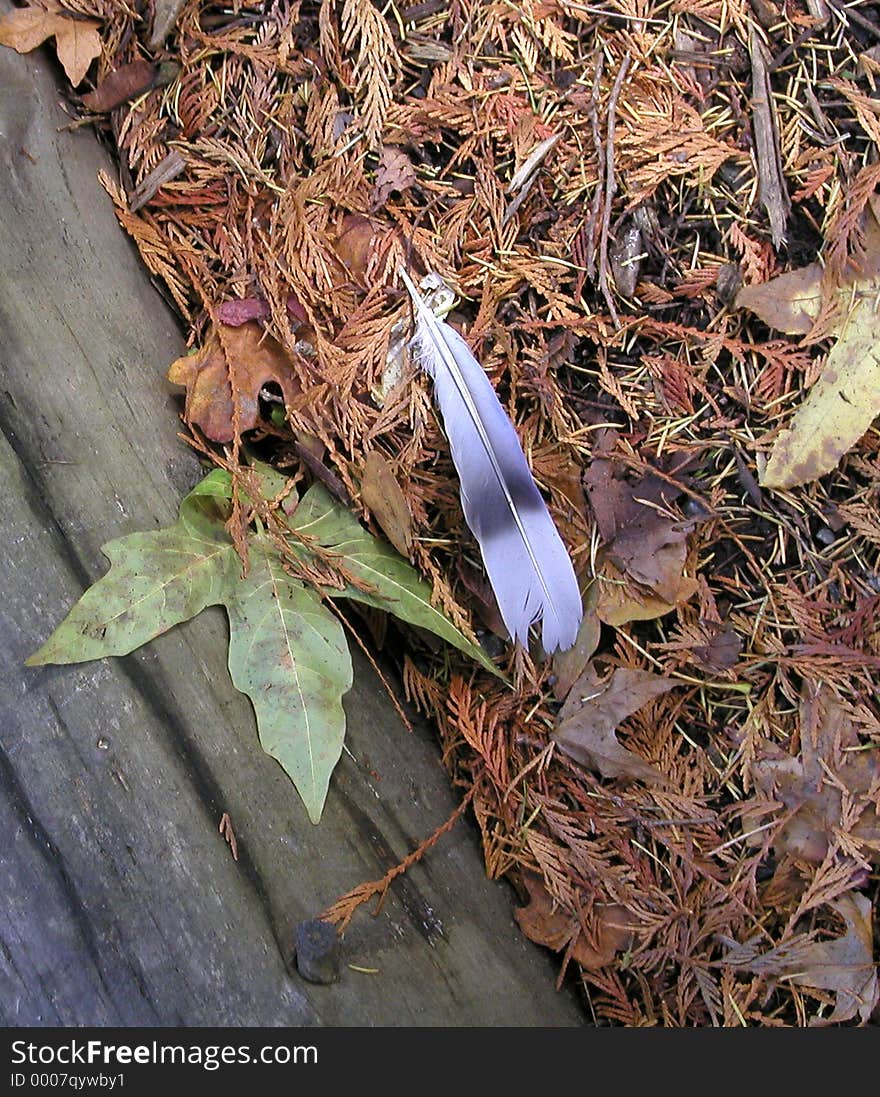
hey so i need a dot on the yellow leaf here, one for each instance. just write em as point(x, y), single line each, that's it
point(845, 399)
point(840, 406)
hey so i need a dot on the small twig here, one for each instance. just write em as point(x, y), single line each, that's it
point(532, 163)
point(772, 190)
point(163, 173)
point(595, 205)
point(342, 910)
point(844, 13)
point(610, 190)
point(360, 643)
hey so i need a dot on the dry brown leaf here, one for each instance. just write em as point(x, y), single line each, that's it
point(812, 786)
point(77, 41)
point(844, 965)
point(563, 476)
point(592, 712)
point(125, 83)
point(645, 548)
point(355, 244)
point(569, 665)
point(485, 602)
point(845, 399)
point(622, 601)
point(257, 359)
point(790, 302)
point(722, 651)
point(382, 494)
point(611, 927)
point(394, 173)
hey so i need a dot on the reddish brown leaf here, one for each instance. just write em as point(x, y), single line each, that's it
point(644, 545)
point(811, 785)
point(125, 83)
point(610, 930)
point(592, 712)
point(240, 310)
point(381, 492)
point(257, 359)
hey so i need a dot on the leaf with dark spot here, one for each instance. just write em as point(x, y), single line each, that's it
point(246, 353)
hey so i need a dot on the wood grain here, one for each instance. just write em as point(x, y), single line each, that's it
point(123, 904)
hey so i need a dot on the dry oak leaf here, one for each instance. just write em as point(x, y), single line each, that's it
point(843, 965)
point(645, 549)
point(833, 783)
point(77, 41)
point(382, 494)
point(593, 710)
point(394, 173)
point(845, 399)
point(610, 929)
point(255, 359)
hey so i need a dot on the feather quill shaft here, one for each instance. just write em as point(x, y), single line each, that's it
point(527, 563)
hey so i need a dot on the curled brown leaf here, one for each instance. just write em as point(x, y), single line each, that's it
point(249, 355)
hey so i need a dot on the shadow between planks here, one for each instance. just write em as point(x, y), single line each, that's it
point(122, 902)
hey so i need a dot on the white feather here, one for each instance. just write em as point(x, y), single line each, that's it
point(527, 563)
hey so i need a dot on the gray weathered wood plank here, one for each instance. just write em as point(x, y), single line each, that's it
point(122, 903)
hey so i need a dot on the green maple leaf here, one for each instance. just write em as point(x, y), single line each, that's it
point(287, 651)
